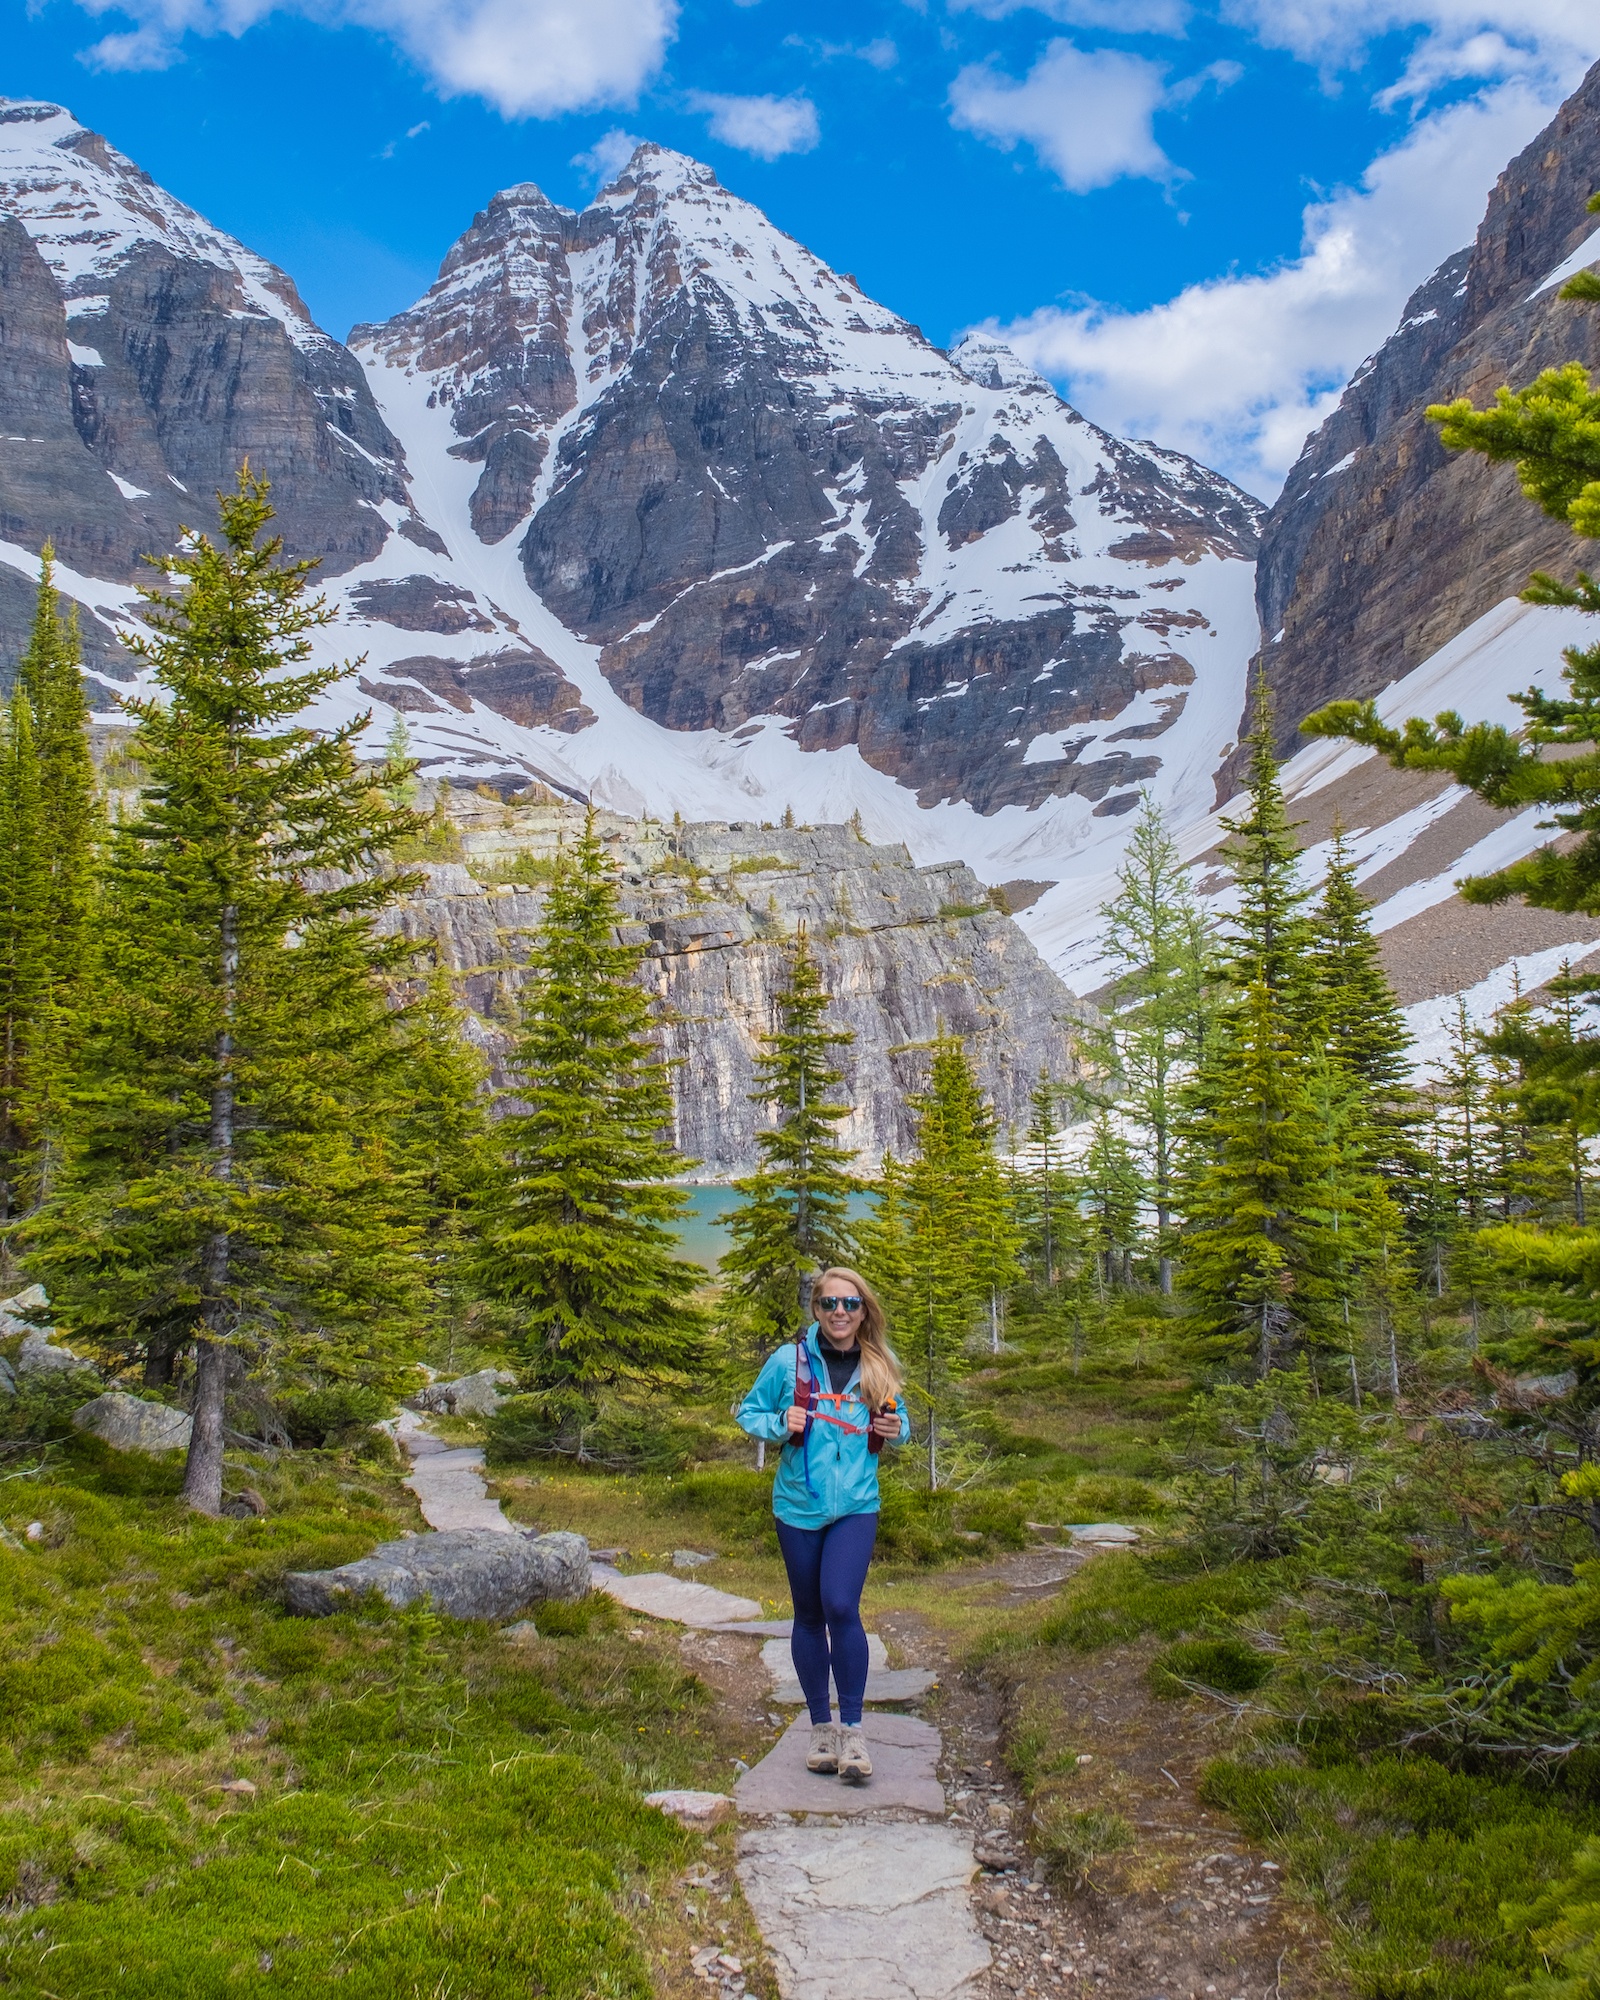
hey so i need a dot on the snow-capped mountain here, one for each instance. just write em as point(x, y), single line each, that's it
point(647, 502)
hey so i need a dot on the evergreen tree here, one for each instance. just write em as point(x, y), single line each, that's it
point(942, 1245)
point(1164, 1000)
point(793, 1216)
point(1357, 1014)
point(49, 672)
point(24, 946)
point(1260, 1261)
point(442, 1150)
point(1043, 1194)
point(226, 1178)
point(576, 1231)
point(1110, 1191)
point(1269, 936)
point(52, 832)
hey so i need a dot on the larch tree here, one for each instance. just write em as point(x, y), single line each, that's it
point(576, 1231)
point(793, 1216)
point(226, 1182)
point(1163, 1004)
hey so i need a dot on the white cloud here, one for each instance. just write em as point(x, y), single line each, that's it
point(765, 126)
point(1237, 370)
point(1122, 17)
point(527, 58)
point(1086, 112)
point(1560, 36)
point(607, 157)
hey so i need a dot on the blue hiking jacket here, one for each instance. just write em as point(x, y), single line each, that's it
point(833, 1473)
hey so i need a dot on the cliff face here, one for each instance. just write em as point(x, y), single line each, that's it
point(1383, 546)
point(147, 354)
point(905, 951)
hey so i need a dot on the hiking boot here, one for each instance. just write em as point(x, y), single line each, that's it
point(824, 1752)
point(855, 1766)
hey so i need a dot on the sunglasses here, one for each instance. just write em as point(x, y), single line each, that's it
point(850, 1305)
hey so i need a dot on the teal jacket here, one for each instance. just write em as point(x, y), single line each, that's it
point(833, 1473)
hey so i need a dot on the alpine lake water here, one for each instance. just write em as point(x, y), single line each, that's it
point(701, 1234)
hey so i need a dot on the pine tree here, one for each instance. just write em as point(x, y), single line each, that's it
point(793, 1215)
point(1164, 1000)
point(49, 671)
point(942, 1245)
point(1042, 1197)
point(1260, 1263)
point(1110, 1191)
point(1359, 1018)
point(24, 947)
point(50, 869)
point(576, 1235)
point(1268, 937)
point(443, 1152)
point(226, 1179)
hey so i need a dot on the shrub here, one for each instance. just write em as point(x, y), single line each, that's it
point(334, 1415)
point(1228, 1665)
point(610, 1433)
point(996, 1519)
point(1071, 1842)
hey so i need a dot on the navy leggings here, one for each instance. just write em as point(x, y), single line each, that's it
point(827, 1567)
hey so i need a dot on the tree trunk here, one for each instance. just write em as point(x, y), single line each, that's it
point(202, 1472)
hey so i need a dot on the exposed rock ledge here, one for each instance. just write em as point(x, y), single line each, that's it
point(906, 951)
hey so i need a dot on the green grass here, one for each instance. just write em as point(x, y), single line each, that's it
point(1412, 1862)
point(436, 1810)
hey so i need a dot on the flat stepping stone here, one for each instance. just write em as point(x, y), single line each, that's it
point(757, 1628)
point(905, 1767)
point(448, 1481)
point(875, 1912)
point(1100, 1531)
point(655, 1595)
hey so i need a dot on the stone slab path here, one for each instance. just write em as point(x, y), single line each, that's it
point(657, 1595)
point(876, 1912)
point(905, 1774)
point(447, 1479)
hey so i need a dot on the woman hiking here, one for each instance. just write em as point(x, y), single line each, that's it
point(833, 1399)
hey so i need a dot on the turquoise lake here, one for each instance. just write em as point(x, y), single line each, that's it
point(701, 1232)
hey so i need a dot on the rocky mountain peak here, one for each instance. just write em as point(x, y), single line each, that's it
point(992, 365)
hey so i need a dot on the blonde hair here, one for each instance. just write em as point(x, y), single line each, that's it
point(880, 1372)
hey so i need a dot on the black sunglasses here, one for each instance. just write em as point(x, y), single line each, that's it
point(850, 1305)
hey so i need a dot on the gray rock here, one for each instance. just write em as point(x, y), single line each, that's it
point(697, 1809)
point(907, 952)
point(1111, 1533)
point(27, 1301)
point(475, 1395)
point(8, 1381)
point(40, 1356)
point(467, 1572)
point(865, 1912)
point(520, 1634)
point(690, 1559)
point(128, 1424)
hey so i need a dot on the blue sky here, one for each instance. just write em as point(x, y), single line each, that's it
point(1196, 215)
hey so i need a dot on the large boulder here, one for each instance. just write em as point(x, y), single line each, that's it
point(40, 1356)
point(129, 1424)
point(475, 1395)
point(468, 1572)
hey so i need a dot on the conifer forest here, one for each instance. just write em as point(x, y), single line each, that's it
point(1319, 1324)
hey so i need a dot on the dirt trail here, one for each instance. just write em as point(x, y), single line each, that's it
point(1193, 1910)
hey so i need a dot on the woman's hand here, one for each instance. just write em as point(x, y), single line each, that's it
point(796, 1420)
point(886, 1424)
